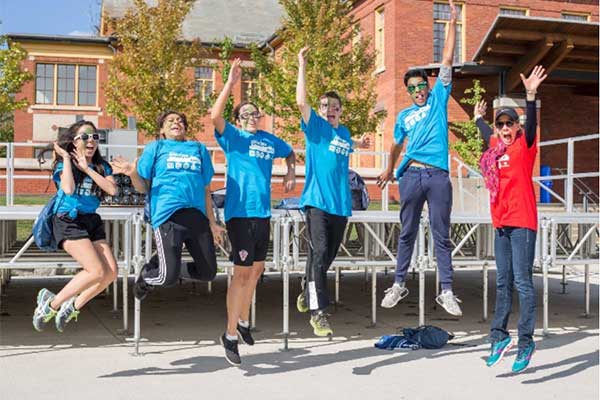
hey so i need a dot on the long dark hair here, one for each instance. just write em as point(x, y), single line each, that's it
point(65, 141)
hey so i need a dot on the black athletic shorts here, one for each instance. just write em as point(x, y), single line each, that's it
point(84, 226)
point(249, 239)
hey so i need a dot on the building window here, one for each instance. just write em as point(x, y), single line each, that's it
point(514, 11)
point(441, 21)
point(204, 77)
point(86, 87)
point(575, 16)
point(65, 84)
point(249, 87)
point(44, 83)
point(379, 39)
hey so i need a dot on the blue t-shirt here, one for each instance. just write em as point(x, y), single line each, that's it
point(427, 130)
point(327, 151)
point(182, 170)
point(249, 166)
point(83, 200)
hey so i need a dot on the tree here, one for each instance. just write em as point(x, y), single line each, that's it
point(336, 62)
point(12, 79)
point(469, 143)
point(150, 72)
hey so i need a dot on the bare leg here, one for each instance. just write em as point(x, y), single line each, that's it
point(255, 273)
point(236, 297)
point(109, 274)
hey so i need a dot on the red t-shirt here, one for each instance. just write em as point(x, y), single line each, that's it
point(515, 204)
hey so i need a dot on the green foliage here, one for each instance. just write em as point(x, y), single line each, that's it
point(469, 143)
point(225, 56)
point(12, 79)
point(334, 63)
point(151, 71)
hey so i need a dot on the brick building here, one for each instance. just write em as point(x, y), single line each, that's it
point(406, 33)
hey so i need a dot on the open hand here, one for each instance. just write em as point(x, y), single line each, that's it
point(289, 182)
point(364, 142)
point(302, 55)
point(534, 80)
point(480, 109)
point(235, 72)
point(120, 165)
point(78, 157)
point(386, 176)
point(61, 152)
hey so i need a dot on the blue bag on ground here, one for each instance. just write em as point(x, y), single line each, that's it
point(42, 226)
point(391, 342)
point(428, 336)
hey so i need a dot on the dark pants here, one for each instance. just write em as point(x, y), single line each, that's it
point(515, 250)
point(325, 234)
point(417, 186)
point(188, 226)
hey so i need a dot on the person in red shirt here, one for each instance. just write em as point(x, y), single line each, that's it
point(507, 168)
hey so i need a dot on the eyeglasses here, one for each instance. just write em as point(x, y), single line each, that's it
point(418, 87)
point(500, 124)
point(246, 116)
point(327, 106)
point(86, 136)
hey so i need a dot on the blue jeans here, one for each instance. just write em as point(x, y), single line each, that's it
point(515, 250)
point(417, 186)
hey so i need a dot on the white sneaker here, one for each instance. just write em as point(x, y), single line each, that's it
point(393, 295)
point(450, 303)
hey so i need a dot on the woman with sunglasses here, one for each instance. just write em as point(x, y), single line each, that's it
point(250, 154)
point(507, 168)
point(177, 172)
point(81, 175)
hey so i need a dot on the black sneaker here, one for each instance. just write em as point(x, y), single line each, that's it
point(245, 335)
point(141, 288)
point(232, 354)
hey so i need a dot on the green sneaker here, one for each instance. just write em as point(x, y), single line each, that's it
point(66, 313)
point(301, 303)
point(523, 358)
point(320, 324)
point(499, 349)
point(43, 313)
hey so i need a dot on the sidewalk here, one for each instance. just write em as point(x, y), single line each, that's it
point(183, 360)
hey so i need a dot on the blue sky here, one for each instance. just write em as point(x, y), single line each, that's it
point(58, 17)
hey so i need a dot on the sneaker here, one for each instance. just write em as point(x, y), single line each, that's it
point(43, 313)
point(450, 303)
point(244, 334)
point(232, 355)
point(320, 324)
point(523, 358)
point(393, 295)
point(66, 313)
point(498, 350)
point(141, 288)
point(301, 303)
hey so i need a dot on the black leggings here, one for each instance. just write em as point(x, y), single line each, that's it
point(189, 226)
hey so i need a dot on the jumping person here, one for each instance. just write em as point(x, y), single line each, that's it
point(81, 175)
point(326, 198)
point(177, 172)
point(250, 154)
point(423, 173)
point(507, 167)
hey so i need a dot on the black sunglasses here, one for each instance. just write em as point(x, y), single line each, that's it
point(86, 136)
point(500, 124)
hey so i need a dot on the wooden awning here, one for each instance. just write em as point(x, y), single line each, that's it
point(567, 49)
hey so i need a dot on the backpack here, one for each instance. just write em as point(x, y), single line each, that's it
point(358, 190)
point(428, 336)
point(218, 197)
point(42, 231)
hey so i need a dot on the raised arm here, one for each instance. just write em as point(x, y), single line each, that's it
point(448, 55)
point(216, 114)
point(485, 130)
point(106, 183)
point(67, 182)
point(121, 166)
point(301, 86)
point(531, 85)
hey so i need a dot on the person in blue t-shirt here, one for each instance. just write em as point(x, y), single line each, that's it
point(177, 172)
point(326, 197)
point(250, 154)
point(81, 176)
point(423, 173)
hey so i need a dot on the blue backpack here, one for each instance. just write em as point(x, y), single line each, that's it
point(358, 190)
point(42, 226)
point(427, 336)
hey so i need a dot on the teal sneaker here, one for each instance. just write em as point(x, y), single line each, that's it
point(43, 313)
point(523, 358)
point(498, 350)
point(66, 313)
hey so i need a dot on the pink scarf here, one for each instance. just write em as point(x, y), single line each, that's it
point(488, 165)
